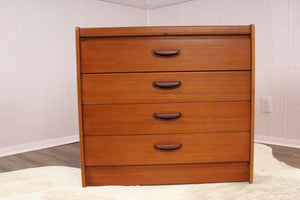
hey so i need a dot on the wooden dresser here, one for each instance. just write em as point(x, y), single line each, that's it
point(166, 105)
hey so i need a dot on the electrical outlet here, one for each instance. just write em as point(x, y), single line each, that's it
point(266, 104)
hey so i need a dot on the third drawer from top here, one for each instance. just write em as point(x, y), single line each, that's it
point(166, 118)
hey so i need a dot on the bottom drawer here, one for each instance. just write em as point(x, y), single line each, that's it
point(167, 174)
point(167, 149)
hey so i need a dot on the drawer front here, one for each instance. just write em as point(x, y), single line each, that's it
point(166, 149)
point(152, 88)
point(166, 118)
point(164, 53)
point(167, 174)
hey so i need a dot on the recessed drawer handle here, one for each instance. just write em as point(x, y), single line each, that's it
point(167, 147)
point(166, 85)
point(166, 116)
point(166, 53)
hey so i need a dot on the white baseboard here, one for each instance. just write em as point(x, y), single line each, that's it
point(32, 146)
point(277, 141)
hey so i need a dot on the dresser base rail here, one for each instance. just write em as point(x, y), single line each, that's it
point(167, 174)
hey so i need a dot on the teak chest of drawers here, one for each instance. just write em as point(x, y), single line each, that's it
point(166, 105)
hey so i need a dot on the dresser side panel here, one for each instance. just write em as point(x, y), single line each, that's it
point(252, 102)
point(80, 106)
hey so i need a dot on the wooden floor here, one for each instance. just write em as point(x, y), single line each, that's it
point(69, 155)
point(290, 156)
point(65, 155)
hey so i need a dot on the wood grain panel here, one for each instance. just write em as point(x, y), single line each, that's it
point(138, 118)
point(162, 31)
point(167, 174)
point(132, 54)
point(139, 149)
point(133, 124)
point(138, 88)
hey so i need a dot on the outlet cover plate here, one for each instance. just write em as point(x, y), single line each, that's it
point(267, 104)
point(146, 4)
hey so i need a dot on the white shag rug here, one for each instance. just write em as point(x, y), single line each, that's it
point(273, 180)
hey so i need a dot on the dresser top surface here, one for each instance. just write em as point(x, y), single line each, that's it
point(164, 31)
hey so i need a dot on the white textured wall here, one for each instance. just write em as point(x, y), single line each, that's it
point(38, 95)
point(38, 102)
point(277, 55)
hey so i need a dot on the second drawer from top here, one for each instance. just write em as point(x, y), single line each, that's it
point(165, 87)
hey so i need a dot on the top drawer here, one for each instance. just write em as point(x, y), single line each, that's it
point(165, 53)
